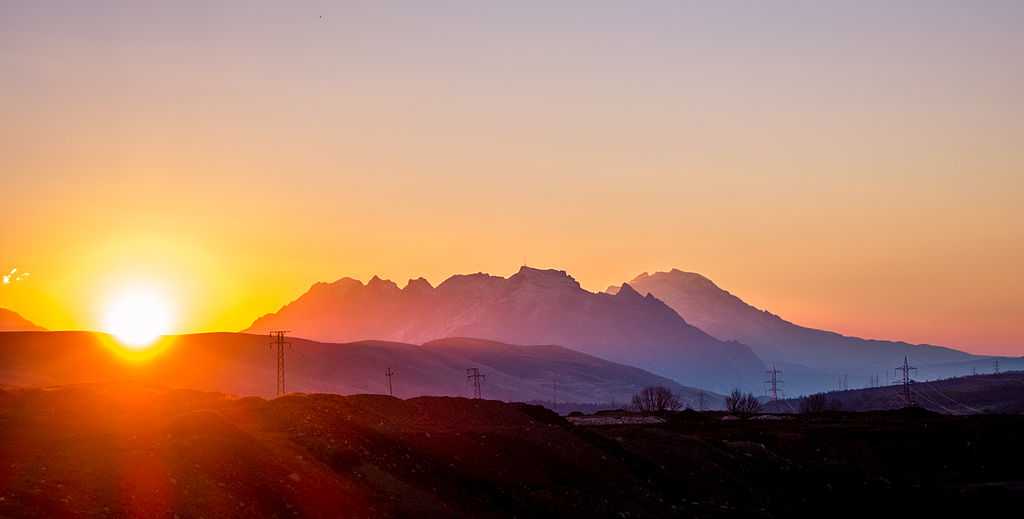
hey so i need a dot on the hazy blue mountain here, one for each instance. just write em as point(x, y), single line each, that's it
point(815, 359)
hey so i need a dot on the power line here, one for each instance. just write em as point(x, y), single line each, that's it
point(473, 375)
point(554, 395)
point(933, 402)
point(279, 343)
point(931, 386)
point(789, 405)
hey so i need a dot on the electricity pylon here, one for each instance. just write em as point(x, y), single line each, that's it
point(280, 344)
point(773, 382)
point(474, 375)
point(905, 370)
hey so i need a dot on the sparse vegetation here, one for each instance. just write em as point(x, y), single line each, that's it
point(819, 403)
point(656, 399)
point(456, 457)
point(742, 404)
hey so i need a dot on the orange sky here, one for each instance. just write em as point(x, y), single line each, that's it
point(847, 168)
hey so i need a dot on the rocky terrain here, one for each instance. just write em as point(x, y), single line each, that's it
point(134, 450)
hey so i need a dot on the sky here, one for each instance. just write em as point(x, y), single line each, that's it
point(855, 166)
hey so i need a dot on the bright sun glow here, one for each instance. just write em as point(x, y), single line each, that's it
point(137, 318)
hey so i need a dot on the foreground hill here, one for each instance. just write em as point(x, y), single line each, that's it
point(242, 364)
point(12, 322)
point(977, 394)
point(531, 307)
point(137, 451)
point(811, 357)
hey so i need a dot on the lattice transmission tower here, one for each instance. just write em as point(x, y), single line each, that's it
point(474, 376)
point(773, 382)
point(906, 380)
point(280, 345)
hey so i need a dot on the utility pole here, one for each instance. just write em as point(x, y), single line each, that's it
point(995, 366)
point(905, 370)
point(700, 400)
point(554, 395)
point(773, 382)
point(280, 344)
point(389, 374)
point(474, 375)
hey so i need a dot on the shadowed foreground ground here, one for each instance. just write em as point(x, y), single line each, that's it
point(135, 451)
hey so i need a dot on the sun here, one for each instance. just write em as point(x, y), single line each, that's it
point(137, 318)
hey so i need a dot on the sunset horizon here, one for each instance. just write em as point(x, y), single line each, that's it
point(822, 317)
point(871, 203)
point(662, 259)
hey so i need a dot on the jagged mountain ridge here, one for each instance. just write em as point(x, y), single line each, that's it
point(532, 306)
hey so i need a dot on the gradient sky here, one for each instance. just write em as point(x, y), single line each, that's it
point(856, 166)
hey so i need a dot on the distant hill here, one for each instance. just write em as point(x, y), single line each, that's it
point(812, 358)
point(531, 307)
point(242, 364)
point(12, 322)
point(1001, 393)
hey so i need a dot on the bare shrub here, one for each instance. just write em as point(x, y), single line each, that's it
point(656, 399)
point(819, 403)
point(742, 404)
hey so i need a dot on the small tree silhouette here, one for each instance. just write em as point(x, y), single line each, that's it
point(655, 399)
point(819, 403)
point(742, 404)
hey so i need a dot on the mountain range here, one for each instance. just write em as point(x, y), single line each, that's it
point(678, 325)
point(532, 306)
point(243, 364)
point(814, 358)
